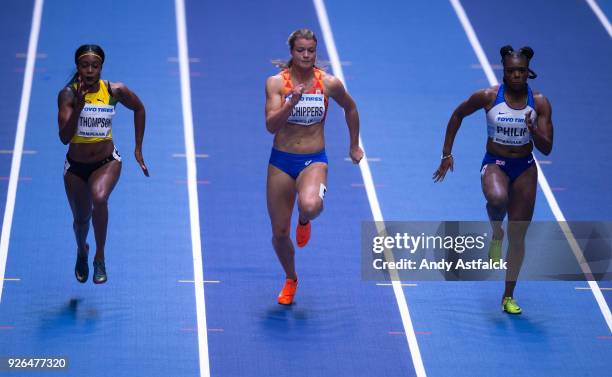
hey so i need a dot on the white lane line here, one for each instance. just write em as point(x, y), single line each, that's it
point(205, 281)
point(197, 155)
point(194, 213)
point(372, 197)
point(601, 16)
point(552, 201)
point(369, 159)
point(23, 55)
point(174, 59)
point(7, 222)
point(10, 151)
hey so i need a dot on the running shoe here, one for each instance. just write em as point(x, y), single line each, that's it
point(81, 269)
point(302, 234)
point(510, 306)
point(99, 272)
point(285, 297)
point(495, 250)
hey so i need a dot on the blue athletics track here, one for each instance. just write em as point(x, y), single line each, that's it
point(193, 277)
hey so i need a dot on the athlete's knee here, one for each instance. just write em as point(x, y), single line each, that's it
point(310, 206)
point(81, 222)
point(517, 231)
point(280, 232)
point(280, 238)
point(99, 201)
point(497, 200)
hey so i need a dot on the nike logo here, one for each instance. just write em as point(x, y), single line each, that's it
point(307, 162)
point(530, 161)
point(101, 100)
point(500, 113)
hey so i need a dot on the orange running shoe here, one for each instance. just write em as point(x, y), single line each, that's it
point(302, 234)
point(285, 297)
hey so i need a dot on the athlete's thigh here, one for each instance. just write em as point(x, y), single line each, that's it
point(280, 193)
point(79, 197)
point(310, 180)
point(522, 195)
point(494, 182)
point(103, 180)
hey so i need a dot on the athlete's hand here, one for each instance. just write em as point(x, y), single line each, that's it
point(81, 91)
point(296, 94)
point(445, 164)
point(140, 160)
point(356, 154)
point(529, 122)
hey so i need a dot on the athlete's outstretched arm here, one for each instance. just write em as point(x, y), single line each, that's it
point(477, 101)
point(130, 100)
point(277, 109)
point(543, 133)
point(337, 91)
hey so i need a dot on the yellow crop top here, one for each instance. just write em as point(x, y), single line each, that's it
point(96, 119)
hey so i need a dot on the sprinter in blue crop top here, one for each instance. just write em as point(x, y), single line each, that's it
point(518, 119)
point(296, 108)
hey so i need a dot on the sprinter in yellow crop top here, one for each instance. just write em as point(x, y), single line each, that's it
point(296, 108)
point(92, 166)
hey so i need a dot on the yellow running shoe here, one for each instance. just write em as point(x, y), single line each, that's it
point(510, 306)
point(285, 297)
point(495, 250)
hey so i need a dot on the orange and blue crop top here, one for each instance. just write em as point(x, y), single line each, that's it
point(312, 107)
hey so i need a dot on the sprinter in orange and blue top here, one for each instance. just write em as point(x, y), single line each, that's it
point(296, 108)
point(93, 165)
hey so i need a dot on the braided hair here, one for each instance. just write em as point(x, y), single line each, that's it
point(525, 52)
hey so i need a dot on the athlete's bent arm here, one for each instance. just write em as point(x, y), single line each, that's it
point(70, 107)
point(277, 111)
point(477, 101)
point(337, 91)
point(130, 100)
point(543, 133)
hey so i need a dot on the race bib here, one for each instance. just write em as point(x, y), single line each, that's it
point(310, 110)
point(96, 121)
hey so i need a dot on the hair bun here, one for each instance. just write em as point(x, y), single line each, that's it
point(527, 52)
point(507, 49)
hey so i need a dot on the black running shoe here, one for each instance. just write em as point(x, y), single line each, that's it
point(81, 269)
point(99, 272)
